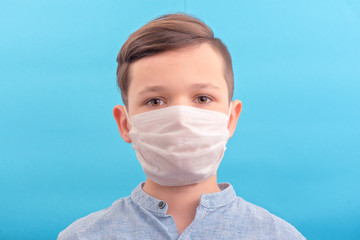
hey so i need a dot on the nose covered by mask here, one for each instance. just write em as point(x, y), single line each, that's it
point(179, 145)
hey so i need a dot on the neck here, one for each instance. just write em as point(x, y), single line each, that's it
point(182, 200)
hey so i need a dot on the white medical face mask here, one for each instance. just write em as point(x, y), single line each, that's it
point(179, 145)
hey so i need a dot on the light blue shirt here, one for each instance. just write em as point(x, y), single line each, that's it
point(220, 215)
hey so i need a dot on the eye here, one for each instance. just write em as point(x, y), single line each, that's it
point(155, 102)
point(203, 99)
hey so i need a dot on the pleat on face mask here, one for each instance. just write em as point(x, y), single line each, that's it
point(179, 145)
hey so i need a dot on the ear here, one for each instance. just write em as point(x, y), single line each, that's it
point(234, 116)
point(122, 122)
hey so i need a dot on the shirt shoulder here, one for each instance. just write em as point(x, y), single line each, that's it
point(94, 225)
point(260, 222)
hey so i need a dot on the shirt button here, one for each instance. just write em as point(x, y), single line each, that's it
point(162, 204)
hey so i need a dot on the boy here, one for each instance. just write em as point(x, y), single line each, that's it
point(176, 82)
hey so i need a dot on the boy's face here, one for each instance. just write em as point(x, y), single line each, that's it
point(191, 76)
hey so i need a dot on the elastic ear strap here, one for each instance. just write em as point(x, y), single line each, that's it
point(127, 115)
point(230, 109)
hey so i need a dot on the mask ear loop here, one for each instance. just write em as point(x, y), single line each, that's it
point(127, 116)
point(229, 112)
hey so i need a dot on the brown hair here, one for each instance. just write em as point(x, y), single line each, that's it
point(168, 32)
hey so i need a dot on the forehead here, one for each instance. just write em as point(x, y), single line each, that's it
point(193, 64)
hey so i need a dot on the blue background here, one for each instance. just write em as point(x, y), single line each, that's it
point(296, 149)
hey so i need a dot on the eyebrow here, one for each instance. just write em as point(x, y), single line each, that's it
point(205, 86)
point(158, 88)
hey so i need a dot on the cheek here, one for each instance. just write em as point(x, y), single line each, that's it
point(222, 107)
point(225, 102)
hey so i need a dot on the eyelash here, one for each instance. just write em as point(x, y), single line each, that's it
point(208, 99)
point(149, 102)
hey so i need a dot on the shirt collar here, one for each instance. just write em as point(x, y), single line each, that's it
point(208, 200)
point(219, 199)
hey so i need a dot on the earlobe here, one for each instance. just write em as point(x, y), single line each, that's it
point(122, 122)
point(234, 116)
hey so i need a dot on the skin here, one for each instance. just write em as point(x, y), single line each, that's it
point(191, 76)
